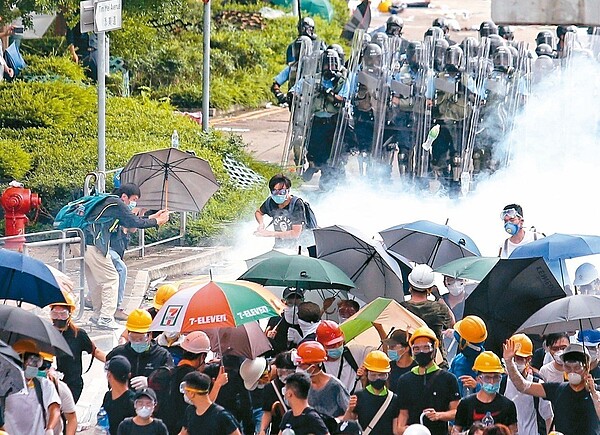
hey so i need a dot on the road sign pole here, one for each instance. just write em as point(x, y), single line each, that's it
point(101, 68)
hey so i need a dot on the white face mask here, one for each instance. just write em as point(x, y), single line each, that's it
point(521, 367)
point(290, 315)
point(307, 327)
point(187, 400)
point(557, 356)
point(456, 288)
point(574, 378)
point(144, 411)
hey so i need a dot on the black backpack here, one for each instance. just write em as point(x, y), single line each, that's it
point(310, 219)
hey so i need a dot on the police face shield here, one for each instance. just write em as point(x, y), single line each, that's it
point(544, 38)
point(393, 29)
point(330, 65)
point(414, 54)
point(308, 28)
point(372, 58)
point(439, 54)
point(502, 60)
point(453, 59)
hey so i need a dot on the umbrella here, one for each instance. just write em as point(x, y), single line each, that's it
point(25, 279)
point(578, 312)
point(17, 323)
point(247, 340)
point(386, 312)
point(509, 294)
point(558, 247)
point(11, 377)
point(374, 272)
point(473, 268)
point(429, 243)
point(270, 254)
point(172, 179)
point(299, 271)
point(216, 305)
point(312, 7)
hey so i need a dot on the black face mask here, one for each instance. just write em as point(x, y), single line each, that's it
point(423, 359)
point(60, 324)
point(378, 384)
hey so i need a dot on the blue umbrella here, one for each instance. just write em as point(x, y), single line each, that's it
point(429, 243)
point(25, 279)
point(558, 247)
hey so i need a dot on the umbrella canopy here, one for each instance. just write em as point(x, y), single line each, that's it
point(429, 243)
point(17, 323)
point(311, 7)
point(374, 272)
point(510, 294)
point(360, 20)
point(216, 305)
point(11, 377)
point(25, 279)
point(298, 271)
point(579, 312)
point(171, 179)
point(386, 312)
point(270, 254)
point(247, 340)
point(473, 268)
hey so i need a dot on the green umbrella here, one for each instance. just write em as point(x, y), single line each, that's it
point(299, 271)
point(311, 7)
point(272, 253)
point(474, 268)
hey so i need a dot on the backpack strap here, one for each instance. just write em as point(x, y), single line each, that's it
point(278, 393)
point(347, 355)
point(379, 414)
point(37, 385)
point(503, 383)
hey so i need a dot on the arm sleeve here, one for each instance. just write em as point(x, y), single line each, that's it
point(66, 397)
point(263, 208)
point(461, 415)
point(228, 422)
point(550, 388)
point(128, 220)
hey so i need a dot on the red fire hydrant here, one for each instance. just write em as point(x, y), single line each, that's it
point(16, 202)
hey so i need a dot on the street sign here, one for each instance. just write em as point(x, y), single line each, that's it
point(86, 16)
point(107, 15)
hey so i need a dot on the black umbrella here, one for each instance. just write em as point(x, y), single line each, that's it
point(17, 323)
point(509, 294)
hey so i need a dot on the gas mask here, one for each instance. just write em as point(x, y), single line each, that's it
point(511, 228)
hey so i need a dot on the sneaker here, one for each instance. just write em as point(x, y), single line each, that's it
point(88, 304)
point(120, 314)
point(108, 323)
point(94, 320)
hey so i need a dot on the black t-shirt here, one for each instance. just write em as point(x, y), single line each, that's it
point(173, 415)
point(471, 409)
point(118, 409)
point(309, 422)
point(396, 373)
point(574, 412)
point(368, 405)
point(71, 366)
point(215, 421)
point(283, 219)
point(434, 390)
point(128, 427)
point(269, 398)
point(279, 342)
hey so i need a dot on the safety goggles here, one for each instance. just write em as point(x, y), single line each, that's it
point(136, 337)
point(59, 314)
point(285, 372)
point(149, 403)
point(511, 213)
point(34, 361)
point(279, 191)
point(573, 367)
point(423, 348)
point(375, 375)
point(490, 379)
point(183, 388)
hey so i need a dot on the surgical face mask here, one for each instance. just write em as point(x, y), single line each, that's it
point(423, 358)
point(393, 354)
point(511, 228)
point(574, 378)
point(491, 388)
point(557, 356)
point(30, 372)
point(335, 353)
point(144, 411)
point(140, 347)
point(456, 288)
point(132, 205)
point(521, 367)
point(59, 324)
point(378, 384)
point(279, 199)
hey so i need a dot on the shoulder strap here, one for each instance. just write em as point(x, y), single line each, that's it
point(503, 383)
point(379, 414)
point(39, 394)
point(278, 393)
point(347, 355)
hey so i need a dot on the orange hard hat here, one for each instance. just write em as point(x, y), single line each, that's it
point(311, 352)
point(329, 333)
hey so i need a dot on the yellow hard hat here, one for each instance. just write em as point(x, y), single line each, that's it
point(377, 361)
point(163, 293)
point(526, 346)
point(423, 331)
point(472, 329)
point(488, 362)
point(47, 356)
point(69, 302)
point(139, 321)
point(26, 346)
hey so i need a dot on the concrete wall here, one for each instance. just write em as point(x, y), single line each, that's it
point(578, 12)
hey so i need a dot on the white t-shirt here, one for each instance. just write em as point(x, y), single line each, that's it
point(348, 375)
point(23, 413)
point(526, 412)
point(67, 404)
point(508, 247)
point(550, 374)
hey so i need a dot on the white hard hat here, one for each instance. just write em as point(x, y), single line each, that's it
point(417, 429)
point(251, 371)
point(196, 342)
point(421, 277)
point(585, 274)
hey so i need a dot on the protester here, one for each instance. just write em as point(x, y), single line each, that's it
point(487, 405)
point(309, 318)
point(172, 341)
point(556, 344)
point(427, 389)
point(279, 326)
point(78, 341)
point(470, 334)
point(458, 290)
point(301, 418)
point(590, 338)
point(512, 216)
point(576, 403)
point(399, 353)
point(118, 400)
point(143, 423)
point(274, 405)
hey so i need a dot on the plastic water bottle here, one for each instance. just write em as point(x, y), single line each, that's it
point(175, 139)
point(288, 430)
point(431, 136)
point(102, 424)
point(488, 420)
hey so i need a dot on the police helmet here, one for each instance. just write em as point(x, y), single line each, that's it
point(307, 27)
point(544, 50)
point(487, 28)
point(394, 25)
point(454, 55)
point(380, 39)
point(441, 23)
point(544, 37)
point(414, 52)
point(506, 32)
point(435, 33)
point(495, 42)
point(439, 54)
point(502, 59)
point(372, 56)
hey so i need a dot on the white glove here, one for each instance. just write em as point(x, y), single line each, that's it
point(139, 382)
point(294, 336)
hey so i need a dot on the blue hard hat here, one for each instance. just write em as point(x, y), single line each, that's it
point(589, 337)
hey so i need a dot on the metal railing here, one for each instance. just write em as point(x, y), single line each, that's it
point(61, 239)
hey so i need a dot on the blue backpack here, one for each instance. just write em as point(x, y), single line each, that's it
point(77, 214)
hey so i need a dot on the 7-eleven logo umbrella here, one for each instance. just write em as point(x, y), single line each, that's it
point(216, 305)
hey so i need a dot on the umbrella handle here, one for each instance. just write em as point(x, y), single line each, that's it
point(167, 193)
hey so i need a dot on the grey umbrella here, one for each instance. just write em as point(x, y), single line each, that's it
point(11, 376)
point(172, 179)
point(578, 312)
point(375, 272)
